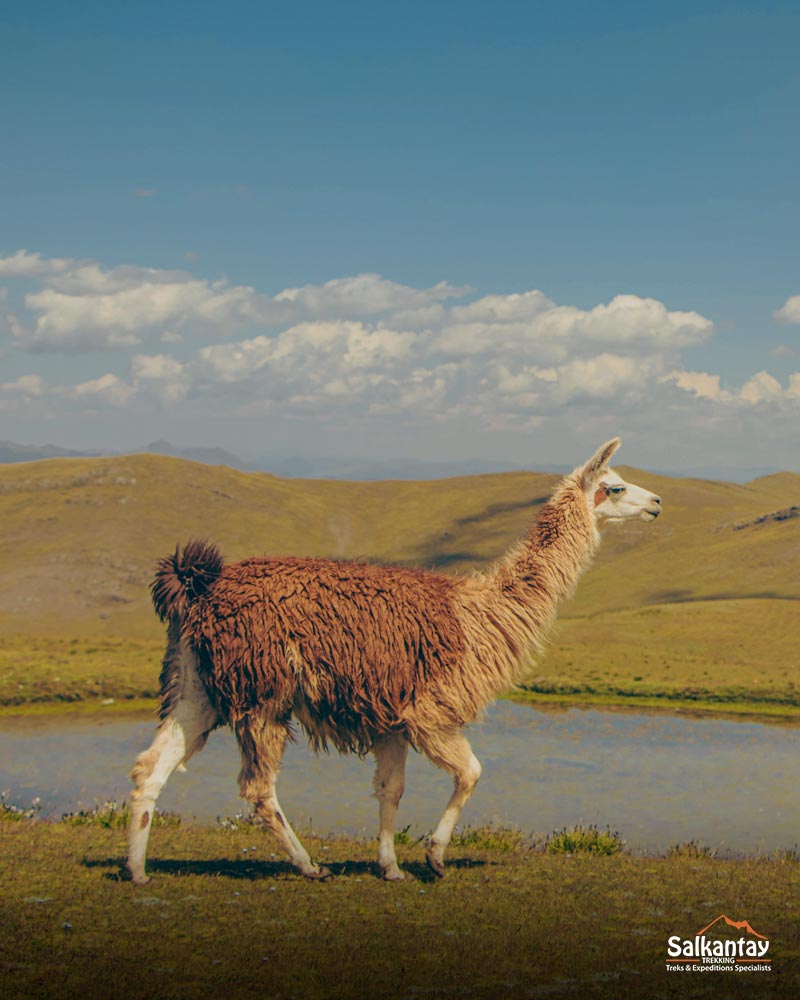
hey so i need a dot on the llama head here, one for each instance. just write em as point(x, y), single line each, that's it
point(609, 497)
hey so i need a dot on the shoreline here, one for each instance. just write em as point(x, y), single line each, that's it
point(752, 710)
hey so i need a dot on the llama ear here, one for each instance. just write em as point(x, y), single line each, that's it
point(599, 462)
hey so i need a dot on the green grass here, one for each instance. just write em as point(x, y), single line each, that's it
point(42, 669)
point(224, 918)
point(115, 816)
point(692, 849)
point(497, 838)
point(584, 840)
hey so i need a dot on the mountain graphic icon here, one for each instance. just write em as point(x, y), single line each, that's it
point(739, 925)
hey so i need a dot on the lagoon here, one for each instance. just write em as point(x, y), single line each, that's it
point(657, 779)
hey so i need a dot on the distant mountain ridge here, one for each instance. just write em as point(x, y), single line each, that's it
point(354, 468)
point(11, 452)
point(291, 467)
point(208, 456)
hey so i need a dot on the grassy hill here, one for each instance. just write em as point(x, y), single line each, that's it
point(701, 604)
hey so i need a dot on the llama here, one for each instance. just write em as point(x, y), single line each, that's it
point(367, 658)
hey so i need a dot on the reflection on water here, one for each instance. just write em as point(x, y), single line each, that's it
point(657, 779)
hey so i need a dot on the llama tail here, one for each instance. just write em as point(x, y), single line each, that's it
point(184, 576)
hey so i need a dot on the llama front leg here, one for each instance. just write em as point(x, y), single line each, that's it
point(389, 782)
point(180, 735)
point(262, 742)
point(453, 753)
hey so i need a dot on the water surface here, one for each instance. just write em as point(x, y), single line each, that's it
point(657, 779)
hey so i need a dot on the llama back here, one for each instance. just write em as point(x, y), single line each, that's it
point(349, 647)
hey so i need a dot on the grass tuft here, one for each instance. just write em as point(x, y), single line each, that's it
point(691, 849)
point(9, 813)
point(584, 840)
point(406, 837)
point(494, 837)
point(239, 821)
point(789, 854)
point(115, 816)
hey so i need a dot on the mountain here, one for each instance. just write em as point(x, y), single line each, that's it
point(375, 469)
point(291, 466)
point(10, 451)
point(346, 467)
point(209, 456)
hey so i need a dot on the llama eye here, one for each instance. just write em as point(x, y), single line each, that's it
point(616, 490)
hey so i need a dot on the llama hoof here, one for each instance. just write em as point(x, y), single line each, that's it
point(435, 863)
point(140, 879)
point(393, 874)
point(319, 876)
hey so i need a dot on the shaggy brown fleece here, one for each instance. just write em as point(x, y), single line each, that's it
point(347, 646)
point(355, 651)
point(183, 577)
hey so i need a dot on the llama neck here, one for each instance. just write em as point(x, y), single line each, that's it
point(543, 569)
point(507, 612)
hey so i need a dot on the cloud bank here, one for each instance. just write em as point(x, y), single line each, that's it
point(363, 348)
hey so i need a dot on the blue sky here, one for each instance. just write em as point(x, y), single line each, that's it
point(585, 150)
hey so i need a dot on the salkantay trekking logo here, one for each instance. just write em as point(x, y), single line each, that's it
point(722, 952)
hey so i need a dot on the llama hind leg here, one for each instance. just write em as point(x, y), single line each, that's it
point(453, 753)
point(262, 742)
point(182, 734)
point(389, 782)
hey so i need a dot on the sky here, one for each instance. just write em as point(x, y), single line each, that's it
point(420, 231)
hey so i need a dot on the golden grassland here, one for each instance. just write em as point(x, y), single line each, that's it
point(700, 608)
point(223, 917)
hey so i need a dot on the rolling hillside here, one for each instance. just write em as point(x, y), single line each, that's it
point(703, 602)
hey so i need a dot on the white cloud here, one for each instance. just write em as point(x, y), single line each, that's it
point(503, 308)
point(702, 384)
point(164, 375)
point(365, 346)
point(122, 317)
point(108, 389)
point(83, 306)
point(364, 295)
point(25, 385)
point(309, 355)
point(761, 388)
point(604, 376)
point(155, 366)
point(538, 329)
point(789, 312)
point(32, 265)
